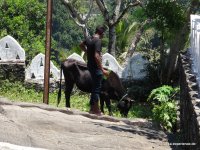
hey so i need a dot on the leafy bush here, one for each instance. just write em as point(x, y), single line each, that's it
point(164, 106)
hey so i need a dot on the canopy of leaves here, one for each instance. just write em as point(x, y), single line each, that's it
point(25, 21)
point(166, 13)
point(64, 31)
point(124, 31)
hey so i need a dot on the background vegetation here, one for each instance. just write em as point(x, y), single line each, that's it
point(18, 92)
point(158, 29)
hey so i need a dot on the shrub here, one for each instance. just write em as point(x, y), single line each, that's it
point(164, 104)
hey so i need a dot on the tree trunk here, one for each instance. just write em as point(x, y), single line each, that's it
point(112, 40)
point(179, 42)
point(162, 60)
point(134, 42)
point(177, 45)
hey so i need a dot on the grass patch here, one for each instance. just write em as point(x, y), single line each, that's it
point(79, 100)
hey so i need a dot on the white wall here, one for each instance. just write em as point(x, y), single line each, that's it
point(10, 49)
point(195, 45)
point(37, 68)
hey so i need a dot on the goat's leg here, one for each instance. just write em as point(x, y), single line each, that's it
point(105, 98)
point(108, 105)
point(68, 90)
point(102, 103)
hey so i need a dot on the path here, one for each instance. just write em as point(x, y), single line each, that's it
point(42, 126)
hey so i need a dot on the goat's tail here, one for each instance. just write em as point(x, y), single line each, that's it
point(60, 86)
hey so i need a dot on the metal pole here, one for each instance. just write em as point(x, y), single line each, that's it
point(47, 52)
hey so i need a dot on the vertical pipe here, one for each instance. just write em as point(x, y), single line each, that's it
point(47, 52)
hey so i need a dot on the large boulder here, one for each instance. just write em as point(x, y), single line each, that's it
point(136, 68)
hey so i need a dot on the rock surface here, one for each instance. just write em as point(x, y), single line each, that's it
point(42, 126)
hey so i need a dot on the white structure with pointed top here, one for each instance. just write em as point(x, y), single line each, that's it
point(76, 57)
point(111, 63)
point(135, 70)
point(36, 69)
point(10, 50)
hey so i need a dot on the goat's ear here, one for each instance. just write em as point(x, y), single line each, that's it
point(132, 100)
point(128, 90)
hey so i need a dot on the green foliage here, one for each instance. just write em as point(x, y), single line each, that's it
point(64, 31)
point(16, 91)
point(79, 100)
point(25, 21)
point(161, 94)
point(165, 113)
point(137, 14)
point(164, 104)
point(124, 31)
point(168, 17)
point(167, 14)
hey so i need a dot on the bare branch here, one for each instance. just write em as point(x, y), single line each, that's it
point(136, 3)
point(89, 12)
point(73, 12)
point(78, 18)
point(117, 9)
point(135, 41)
point(103, 9)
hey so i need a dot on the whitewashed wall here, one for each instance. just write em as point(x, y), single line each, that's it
point(10, 50)
point(76, 57)
point(111, 63)
point(195, 45)
point(36, 69)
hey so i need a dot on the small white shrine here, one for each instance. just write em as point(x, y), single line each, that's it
point(135, 69)
point(10, 50)
point(36, 69)
point(111, 63)
point(76, 57)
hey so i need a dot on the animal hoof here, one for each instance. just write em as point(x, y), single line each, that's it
point(67, 108)
point(96, 113)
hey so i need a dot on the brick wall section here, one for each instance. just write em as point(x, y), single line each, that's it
point(189, 105)
point(12, 71)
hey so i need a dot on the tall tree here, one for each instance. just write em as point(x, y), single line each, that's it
point(113, 16)
point(168, 23)
point(180, 39)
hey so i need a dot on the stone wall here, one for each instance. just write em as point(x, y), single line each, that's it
point(189, 105)
point(12, 60)
point(38, 85)
point(12, 71)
